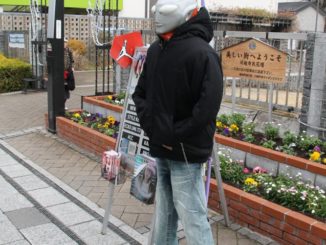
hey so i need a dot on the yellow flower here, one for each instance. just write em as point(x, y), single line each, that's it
point(219, 124)
point(251, 181)
point(315, 156)
point(110, 97)
point(111, 120)
point(234, 127)
point(76, 115)
point(324, 161)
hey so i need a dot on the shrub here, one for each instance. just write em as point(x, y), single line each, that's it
point(78, 49)
point(12, 71)
point(271, 132)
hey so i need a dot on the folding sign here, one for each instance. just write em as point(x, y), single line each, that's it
point(123, 48)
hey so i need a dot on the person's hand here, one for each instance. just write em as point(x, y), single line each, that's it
point(168, 147)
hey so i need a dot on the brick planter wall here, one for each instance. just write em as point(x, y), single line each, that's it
point(267, 218)
point(86, 138)
point(275, 162)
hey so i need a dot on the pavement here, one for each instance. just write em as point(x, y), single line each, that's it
point(52, 192)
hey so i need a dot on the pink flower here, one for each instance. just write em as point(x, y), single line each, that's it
point(317, 148)
point(246, 171)
point(259, 170)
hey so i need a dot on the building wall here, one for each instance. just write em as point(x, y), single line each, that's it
point(306, 20)
point(133, 9)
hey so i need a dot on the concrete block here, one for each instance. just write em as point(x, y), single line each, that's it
point(90, 232)
point(16, 170)
point(14, 202)
point(6, 160)
point(293, 171)
point(48, 197)
point(6, 189)
point(321, 181)
point(31, 182)
point(70, 214)
point(8, 232)
point(20, 242)
point(27, 217)
point(46, 234)
point(253, 161)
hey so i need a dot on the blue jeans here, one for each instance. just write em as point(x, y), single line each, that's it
point(180, 193)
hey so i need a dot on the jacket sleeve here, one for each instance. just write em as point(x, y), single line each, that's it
point(140, 98)
point(208, 104)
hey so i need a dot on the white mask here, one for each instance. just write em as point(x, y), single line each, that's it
point(170, 14)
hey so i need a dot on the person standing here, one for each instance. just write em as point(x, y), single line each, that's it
point(69, 77)
point(177, 99)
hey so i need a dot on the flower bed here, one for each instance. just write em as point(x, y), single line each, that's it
point(87, 138)
point(105, 105)
point(256, 213)
point(302, 145)
point(272, 220)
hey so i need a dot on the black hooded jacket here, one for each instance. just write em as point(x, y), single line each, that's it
point(179, 92)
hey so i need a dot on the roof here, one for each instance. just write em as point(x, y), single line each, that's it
point(297, 7)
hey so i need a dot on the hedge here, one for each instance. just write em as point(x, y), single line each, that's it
point(12, 71)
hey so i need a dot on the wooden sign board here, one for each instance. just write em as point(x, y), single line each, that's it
point(254, 60)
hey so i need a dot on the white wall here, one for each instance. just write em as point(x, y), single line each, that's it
point(133, 9)
point(269, 5)
point(306, 20)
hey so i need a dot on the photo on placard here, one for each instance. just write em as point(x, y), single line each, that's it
point(143, 182)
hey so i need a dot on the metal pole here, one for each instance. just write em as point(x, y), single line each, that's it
point(219, 183)
point(108, 208)
point(270, 102)
point(234, 90)
point(151, 234)
point(317, 13)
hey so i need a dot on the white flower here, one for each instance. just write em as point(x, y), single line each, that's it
point(292, 145)
point(219, 153)
point(299, 174)
point(313, 211)
point(303, 198)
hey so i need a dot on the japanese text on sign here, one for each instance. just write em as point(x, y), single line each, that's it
point(254, 60)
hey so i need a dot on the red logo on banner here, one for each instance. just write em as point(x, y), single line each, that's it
point(123, 48)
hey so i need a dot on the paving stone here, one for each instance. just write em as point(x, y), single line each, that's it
point(129, 219)
point(94, 197)
point(246, 242)
point(5, 188)
point(227, 237)
point(14, 202)
point(90, 232)
point(2, 152)
point(48, 234)
point(27, 217)
point(145, 218)
point(48, 197)
point(31, 182)
point(70, 214)
point(8, 232)
point(6, 160)
point(20, 242)
point(15, 171)
point(142, 230)
point(131, 209)
point(235, 227)
point(84, 190)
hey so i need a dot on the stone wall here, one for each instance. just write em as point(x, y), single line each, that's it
point(313, 113)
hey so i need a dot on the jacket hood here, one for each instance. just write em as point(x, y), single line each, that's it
point(199, 26)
